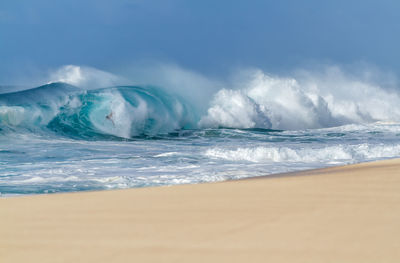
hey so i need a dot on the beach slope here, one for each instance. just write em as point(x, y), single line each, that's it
point(340, 214)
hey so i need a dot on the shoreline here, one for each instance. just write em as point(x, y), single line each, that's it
point(340, 214)
point(306, 172)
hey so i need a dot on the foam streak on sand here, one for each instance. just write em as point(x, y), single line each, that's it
point(340, 214)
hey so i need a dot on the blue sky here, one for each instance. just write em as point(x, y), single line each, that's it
point(208, 36)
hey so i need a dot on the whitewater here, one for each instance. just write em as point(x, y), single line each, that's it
point(85, 129)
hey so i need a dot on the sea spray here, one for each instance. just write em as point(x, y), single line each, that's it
point(98, 131)
point(290, 104)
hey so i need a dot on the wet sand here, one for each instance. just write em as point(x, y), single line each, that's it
point(341, 214)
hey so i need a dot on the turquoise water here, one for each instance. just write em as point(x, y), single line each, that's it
point(62, 138)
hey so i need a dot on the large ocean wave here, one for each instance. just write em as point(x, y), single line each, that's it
point(122, 111)
point(88, 130)
point(84, 110)
point(291, 104)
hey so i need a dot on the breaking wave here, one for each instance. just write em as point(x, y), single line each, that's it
point(262, 101)
point(291, 104)
point(123, 111)
point(327, 155)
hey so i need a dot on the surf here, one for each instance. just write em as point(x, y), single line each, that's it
point(90, 130)
point(85, 106)
point(122, 111)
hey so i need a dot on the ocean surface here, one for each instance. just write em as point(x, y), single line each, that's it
point(60, 137)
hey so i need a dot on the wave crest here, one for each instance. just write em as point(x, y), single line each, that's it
point(291, 104)
point(306, 101)
point(125, 111)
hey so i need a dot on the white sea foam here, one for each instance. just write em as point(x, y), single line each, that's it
point(120, 115)
point(38, 161)
point(167, 154)
point(320, 99)
point(291, 103)
point(84, 77)
point(329, 154)
point(11, 115)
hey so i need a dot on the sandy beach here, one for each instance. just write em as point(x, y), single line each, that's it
point(340, 214)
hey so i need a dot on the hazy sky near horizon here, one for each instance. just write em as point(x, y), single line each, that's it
point(208, 36)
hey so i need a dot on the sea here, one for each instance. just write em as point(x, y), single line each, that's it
point(66, 135)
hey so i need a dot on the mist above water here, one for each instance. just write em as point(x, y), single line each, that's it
point(251, 99)
point(86, 129)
